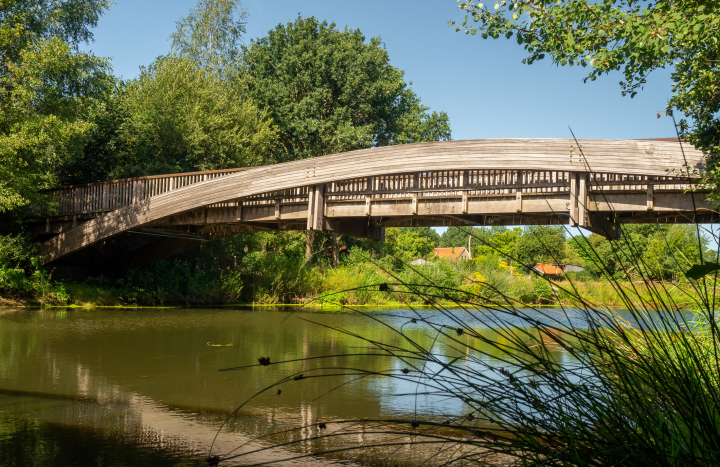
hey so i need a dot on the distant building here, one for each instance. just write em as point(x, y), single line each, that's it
point(419, 262)
point(556, 269)
point(452, 253)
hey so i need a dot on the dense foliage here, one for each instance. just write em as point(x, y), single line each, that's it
point(211, 35)
point(330, 90)
point(44, 84)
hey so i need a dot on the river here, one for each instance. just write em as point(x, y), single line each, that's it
point(142, 387)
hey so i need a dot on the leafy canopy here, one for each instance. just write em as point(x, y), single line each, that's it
point(44, 84)
point(410, 242)
point(630, 36)
point(211, 34)
point(328, 91)
point(648, 251)
point(541, 244)
point(70, 21)
point(184, 118)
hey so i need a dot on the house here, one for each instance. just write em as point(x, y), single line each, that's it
point(452, 253)
point(419, 262)
point(556, 269)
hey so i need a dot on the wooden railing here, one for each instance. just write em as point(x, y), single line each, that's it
point(490, 182)
point(107, 196)
point(114, 194)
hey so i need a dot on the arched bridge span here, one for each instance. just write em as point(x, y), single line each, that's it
point(596, 184)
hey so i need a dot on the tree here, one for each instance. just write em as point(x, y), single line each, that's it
point(211, 34)
point(672, 252)
point(633, 36)
point(44, 85)
point(183, 118)
point(410, 242)
point(329, 91)
point(541, 243)
point(455, 237)
point(102, 154)
point(70, 21)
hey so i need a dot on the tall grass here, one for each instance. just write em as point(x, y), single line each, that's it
point(581, 385)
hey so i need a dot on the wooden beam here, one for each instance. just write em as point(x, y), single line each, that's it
point(311, 207)
point(650, 197)
point(169, 233)
point(318, 214)
point(519, 201)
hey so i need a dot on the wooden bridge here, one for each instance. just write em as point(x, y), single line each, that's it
point(595, 184)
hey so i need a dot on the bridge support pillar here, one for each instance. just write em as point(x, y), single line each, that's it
point(573, 203)
point(582, 199)
point(579, 183)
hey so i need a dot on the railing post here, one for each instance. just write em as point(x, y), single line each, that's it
point(76, 200)
point(238, 210)
point(105, 196)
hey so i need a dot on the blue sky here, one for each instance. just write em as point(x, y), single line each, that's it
point(481, 84)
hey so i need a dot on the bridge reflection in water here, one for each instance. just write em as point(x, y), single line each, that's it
point(594, 184)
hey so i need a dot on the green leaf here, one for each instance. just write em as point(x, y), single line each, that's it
point(699, 270)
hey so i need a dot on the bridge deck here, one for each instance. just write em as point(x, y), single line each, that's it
point(596, 186)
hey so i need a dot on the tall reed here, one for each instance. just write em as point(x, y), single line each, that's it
point(578, 385)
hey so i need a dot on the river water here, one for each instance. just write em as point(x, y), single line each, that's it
point(142, 387)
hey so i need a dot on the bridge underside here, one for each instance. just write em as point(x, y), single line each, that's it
point(367, 217)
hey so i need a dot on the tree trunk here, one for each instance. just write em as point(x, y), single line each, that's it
point(336, 253)
point(470, 243)
point(309, 234)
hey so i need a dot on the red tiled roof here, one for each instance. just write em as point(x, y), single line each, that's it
point(453, 253)
point(547, 268)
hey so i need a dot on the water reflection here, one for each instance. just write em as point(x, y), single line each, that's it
point(142, 387)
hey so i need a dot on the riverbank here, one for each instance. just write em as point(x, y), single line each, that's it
point(358, 284)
